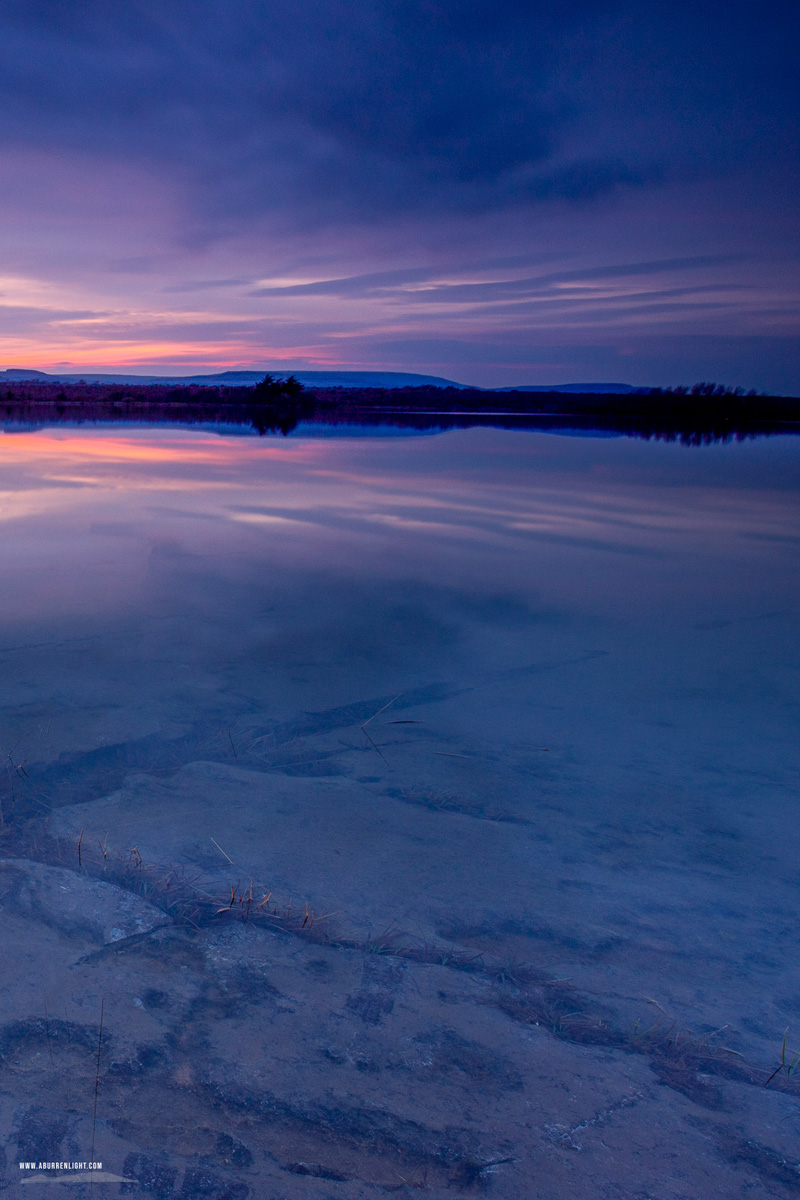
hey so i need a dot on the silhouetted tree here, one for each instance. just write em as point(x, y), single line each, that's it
point(277, 391)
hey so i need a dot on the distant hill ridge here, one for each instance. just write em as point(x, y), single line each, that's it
point(312, 379)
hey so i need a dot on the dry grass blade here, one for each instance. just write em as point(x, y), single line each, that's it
point(782, 1065)
point(47, 1032)
point(97, 1080)
point(222, 852)
point(372, 718)
point(233, 748)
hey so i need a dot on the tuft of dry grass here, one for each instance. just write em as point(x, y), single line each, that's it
point(172, 889)
point(244, 905)
point(790, 1067)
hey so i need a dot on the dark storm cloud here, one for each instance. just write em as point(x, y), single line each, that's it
point(338, 110)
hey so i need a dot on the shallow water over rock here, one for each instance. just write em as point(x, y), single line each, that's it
point(417, 815)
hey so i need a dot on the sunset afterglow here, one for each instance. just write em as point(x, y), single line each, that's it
point(494, 194)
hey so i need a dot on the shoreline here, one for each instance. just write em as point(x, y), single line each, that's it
point(659, 415)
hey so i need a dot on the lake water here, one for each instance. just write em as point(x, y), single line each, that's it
point(418, 813)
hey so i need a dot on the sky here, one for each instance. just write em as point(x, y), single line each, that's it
point(496, 191)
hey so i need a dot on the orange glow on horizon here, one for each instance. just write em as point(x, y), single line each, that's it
point(152, 358)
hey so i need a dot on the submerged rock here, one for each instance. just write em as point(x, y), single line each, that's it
point(75, 903)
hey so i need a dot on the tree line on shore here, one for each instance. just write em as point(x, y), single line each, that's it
point(278, 404)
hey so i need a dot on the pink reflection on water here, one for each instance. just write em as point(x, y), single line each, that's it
point(82, 512)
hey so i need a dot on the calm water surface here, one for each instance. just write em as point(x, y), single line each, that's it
point(513, 717)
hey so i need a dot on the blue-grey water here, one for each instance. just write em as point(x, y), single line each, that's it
point(504, 724)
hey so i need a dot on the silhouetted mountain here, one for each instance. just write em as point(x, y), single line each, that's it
point(313, 379)
point(18, 375)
